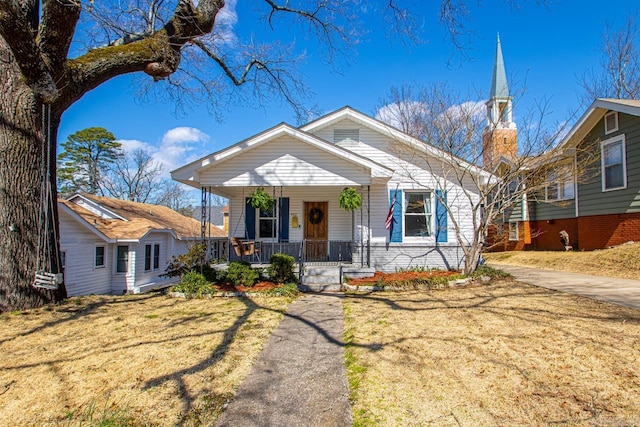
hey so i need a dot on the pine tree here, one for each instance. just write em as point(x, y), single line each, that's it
point(84, 159)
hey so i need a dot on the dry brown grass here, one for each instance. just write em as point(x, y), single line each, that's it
point(621, 261)
point(133, 360)
point(502, 354)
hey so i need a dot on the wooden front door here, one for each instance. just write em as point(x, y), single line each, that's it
point(316, 231)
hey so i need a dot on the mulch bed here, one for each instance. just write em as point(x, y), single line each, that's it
point(260, 286)
point(380, 277)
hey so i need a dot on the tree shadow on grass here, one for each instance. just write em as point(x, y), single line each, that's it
point(78, 312)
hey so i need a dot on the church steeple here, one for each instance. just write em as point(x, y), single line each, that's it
point(500, 135)
point(499, 87)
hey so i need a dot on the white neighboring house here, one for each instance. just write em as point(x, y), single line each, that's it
point(112, 246)
point(306, 168)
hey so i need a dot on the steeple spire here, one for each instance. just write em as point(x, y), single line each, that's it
point(500, 136)
point(499, 87)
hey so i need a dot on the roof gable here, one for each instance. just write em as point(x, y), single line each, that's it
point(594, 114)
point(348, 113)
point(190, 174)
point(132, 220)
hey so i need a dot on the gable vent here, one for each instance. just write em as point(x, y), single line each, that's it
point(346, 135)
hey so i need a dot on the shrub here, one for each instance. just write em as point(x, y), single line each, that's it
point(281, 268)
point(494, 273)
point(209, 273)
point(194, 283)
point(241, 273)
point(181, 264)
point(288, 290)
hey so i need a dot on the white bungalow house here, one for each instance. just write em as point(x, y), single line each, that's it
point(112, 246)
point(306, 168)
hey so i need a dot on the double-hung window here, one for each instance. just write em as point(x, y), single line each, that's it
point(559, 188)
point(417, 214)
point(122, 259)
point(99, 257)
point(151, 256)
point(266, 223)
point(613, 161)
point(513, 231)
point(147, 257)
point(156, 256)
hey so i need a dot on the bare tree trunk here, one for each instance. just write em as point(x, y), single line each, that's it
point(471, 258)
point(21, 152)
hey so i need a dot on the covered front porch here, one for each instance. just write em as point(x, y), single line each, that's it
point(311, 231)
point(302, 176)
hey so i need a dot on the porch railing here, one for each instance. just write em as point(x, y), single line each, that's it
point(304, 251)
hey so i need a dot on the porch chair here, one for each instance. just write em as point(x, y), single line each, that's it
point(248, 248)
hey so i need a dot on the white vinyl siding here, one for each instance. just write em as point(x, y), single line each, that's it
point(304, 173)
point(613, 162)
point(285, 161)
point(78, 243)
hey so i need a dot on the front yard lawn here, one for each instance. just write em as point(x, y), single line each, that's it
point(501, 354)
point(130, 360)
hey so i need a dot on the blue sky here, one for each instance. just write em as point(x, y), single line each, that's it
point(546, 49)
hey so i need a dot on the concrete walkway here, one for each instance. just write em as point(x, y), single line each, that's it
point(618, 291)
point(299, 378)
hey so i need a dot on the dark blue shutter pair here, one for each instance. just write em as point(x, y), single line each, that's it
point(283, 219)
point(395, 232)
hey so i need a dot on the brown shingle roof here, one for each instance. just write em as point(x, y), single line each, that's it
point(140, 219)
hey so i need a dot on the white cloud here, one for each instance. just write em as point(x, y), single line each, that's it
point(474, 110)
point(408, 115)
point(401, 114)
point(180, 146)
point(177, 147)
point(183, 134)
point(227, 18)
point(129, 145)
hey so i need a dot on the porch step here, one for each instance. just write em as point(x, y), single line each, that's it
point(326, 287)
point(319, 279)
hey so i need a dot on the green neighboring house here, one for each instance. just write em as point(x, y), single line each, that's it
point(598, 204)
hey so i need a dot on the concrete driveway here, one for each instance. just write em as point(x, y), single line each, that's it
point(618, 291)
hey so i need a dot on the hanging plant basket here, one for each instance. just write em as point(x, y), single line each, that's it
point(260, 199)
point(350, 199)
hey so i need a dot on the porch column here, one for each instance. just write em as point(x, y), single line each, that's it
point(368, 225)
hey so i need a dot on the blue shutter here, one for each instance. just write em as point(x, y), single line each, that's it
point(283, 219)
point(441, 216)
point(249, 220)
point(395, 231)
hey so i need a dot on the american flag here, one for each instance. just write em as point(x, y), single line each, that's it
point(389, 220)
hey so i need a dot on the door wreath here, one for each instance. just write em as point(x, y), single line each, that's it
point(315, 216)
